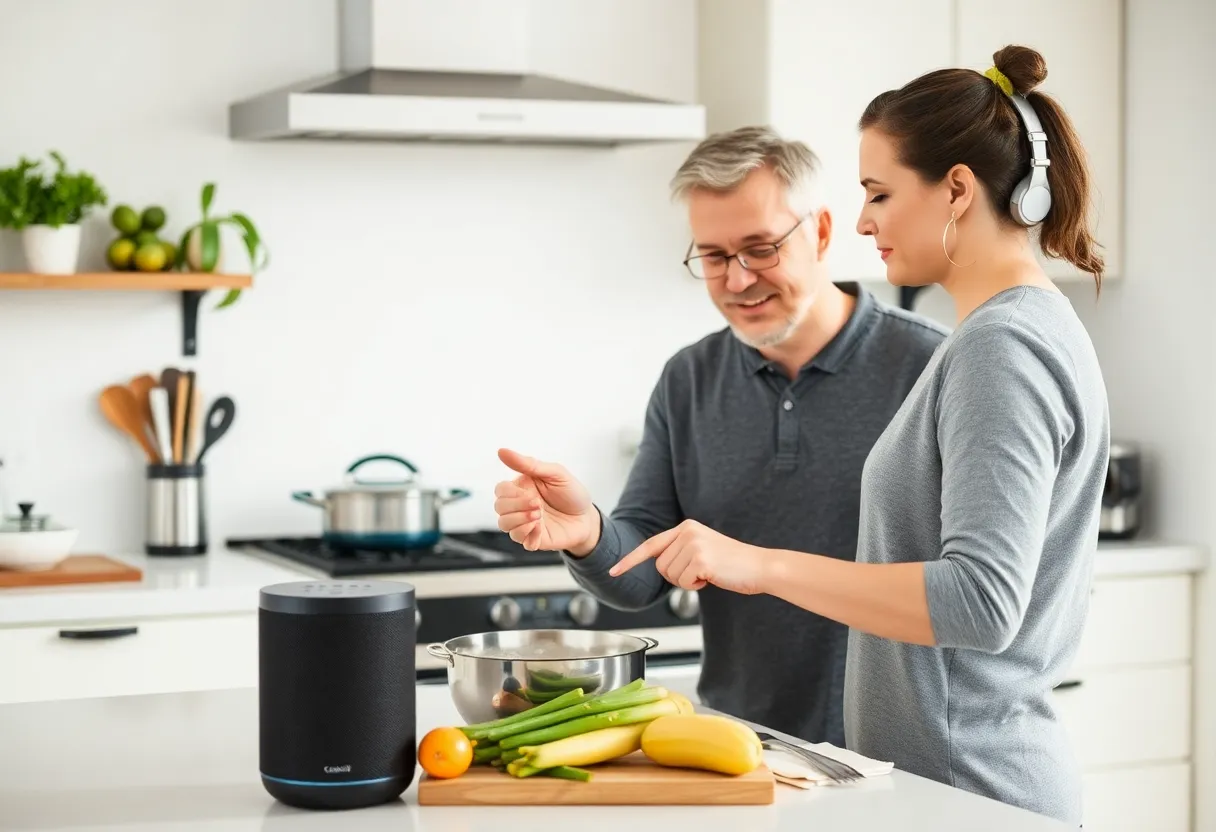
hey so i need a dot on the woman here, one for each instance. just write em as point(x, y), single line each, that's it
point(980, 502)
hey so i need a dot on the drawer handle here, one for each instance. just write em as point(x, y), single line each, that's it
point(1073, 683)
point(92, 635)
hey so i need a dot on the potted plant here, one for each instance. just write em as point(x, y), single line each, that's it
point(201, 248)
point(48, 212)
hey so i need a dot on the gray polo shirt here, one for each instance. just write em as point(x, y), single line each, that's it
point(730, 441)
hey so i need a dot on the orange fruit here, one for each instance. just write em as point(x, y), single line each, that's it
point(445, 752)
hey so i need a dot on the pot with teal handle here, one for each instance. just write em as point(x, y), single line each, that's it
point(382, 514)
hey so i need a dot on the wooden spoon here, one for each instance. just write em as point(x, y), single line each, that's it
point(140, 385)
point(120, 406)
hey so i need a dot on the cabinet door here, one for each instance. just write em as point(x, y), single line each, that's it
point(827, 61)
point(1133, 799)
point(129, 657)
point(1081, 41)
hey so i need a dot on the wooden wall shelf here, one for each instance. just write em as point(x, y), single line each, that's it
point(128, 281)
point(192, 285)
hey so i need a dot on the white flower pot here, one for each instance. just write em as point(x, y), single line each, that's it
point(51, 250)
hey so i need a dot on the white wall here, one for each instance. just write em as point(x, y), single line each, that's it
point(432, 301)
point(1153, 330)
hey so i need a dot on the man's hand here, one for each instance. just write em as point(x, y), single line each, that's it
point(692, 555)
point(544, 507)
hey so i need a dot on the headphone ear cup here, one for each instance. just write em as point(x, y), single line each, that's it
point(1029, 205)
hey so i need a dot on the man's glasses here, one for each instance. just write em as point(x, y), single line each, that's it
point(753, 258)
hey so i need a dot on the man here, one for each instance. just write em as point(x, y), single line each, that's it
point(758, 431)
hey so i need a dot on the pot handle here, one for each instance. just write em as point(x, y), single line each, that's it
point(358, 463)
point(651, 643)
point(307, 497)
point(440, 652)
point(455, 494)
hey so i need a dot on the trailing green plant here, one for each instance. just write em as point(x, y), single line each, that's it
point(28, 197)
point(203, 253)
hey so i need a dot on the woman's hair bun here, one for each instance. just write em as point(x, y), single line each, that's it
point(1024, 67)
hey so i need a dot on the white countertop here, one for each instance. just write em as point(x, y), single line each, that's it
point(189, 761)
point(227, 581)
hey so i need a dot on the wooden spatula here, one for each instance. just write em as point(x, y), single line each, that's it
point(120, 406)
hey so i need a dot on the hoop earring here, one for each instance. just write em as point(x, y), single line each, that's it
point(946, 231)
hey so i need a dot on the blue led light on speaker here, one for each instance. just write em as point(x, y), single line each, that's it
point(329, 782)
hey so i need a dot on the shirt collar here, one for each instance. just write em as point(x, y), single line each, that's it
point(837, 351)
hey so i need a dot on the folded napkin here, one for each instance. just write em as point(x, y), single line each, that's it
point(791, 769)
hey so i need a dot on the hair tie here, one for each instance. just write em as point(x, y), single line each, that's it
point(1000, 79)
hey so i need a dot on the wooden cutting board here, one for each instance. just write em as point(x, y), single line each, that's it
point(629, 781)
point(74, 569)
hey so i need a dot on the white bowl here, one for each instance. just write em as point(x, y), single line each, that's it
point(34, 550)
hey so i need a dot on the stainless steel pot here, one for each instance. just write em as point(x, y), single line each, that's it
point(393, 514)
point(492, 675)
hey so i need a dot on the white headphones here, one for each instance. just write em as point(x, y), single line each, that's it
point(1031, 198)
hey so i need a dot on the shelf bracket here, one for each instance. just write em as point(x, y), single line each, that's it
point(190, 303)
point(907, 296)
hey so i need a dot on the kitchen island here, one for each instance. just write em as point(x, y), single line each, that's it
point(189, 761)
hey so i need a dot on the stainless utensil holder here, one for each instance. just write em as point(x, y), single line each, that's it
point(177, 520)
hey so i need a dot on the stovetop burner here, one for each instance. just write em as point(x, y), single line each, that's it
point(456, 551)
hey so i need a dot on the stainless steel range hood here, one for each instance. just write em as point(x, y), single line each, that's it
point(453, 71)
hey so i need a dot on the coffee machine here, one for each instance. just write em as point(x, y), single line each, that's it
point(1121, 507)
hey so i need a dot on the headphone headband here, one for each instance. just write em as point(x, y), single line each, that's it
point(1031, 198)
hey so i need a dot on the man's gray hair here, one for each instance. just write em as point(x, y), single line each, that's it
point(723, 160)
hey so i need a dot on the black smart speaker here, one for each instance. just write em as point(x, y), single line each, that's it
point(336, 717)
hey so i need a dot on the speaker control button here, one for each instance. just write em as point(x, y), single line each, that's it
point(505, 613)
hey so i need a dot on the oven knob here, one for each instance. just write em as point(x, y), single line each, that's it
point(583, 609)
point(505, 613)
point(684, 603)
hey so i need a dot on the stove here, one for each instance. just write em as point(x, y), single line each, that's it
point(455, 551)
point(478, 581)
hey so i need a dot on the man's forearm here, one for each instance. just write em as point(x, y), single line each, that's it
point(590, 570)
point(885, 600)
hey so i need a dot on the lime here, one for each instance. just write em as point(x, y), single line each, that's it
point(119, 254)
point(170, 253)
point(153, 218)
point(142, 238)
point(150, 257)
point(125, 219)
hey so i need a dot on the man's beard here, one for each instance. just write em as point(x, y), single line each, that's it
point(781, 333)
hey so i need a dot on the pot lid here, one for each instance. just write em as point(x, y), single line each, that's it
point(404, 481)
point(27, 521)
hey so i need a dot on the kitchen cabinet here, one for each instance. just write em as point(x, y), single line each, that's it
point(1082, 42)
point(128, 656)
point(810, 67)
point(1127, 704)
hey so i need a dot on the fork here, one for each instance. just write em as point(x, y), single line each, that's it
point(834, 770)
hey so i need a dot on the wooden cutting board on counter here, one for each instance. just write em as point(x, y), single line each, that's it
point(629, 781)
point(74, 569)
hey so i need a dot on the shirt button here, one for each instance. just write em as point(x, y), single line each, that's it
point(787, 404)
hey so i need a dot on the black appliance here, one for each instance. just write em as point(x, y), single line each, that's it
point(336, 696)
point(1121, 506)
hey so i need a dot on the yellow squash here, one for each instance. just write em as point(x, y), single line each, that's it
point(702, 741)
